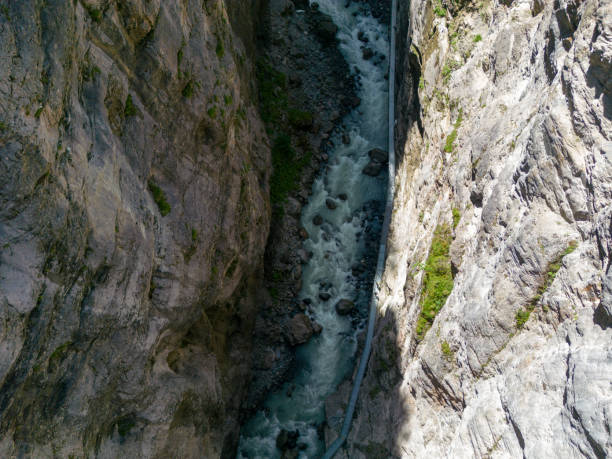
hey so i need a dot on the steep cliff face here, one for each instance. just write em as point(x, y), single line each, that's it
point(504, 201)
point(133, 218)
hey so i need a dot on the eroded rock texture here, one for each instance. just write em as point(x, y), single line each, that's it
point(525, 88)
point(133, 218)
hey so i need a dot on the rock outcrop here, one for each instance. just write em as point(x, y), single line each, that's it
point(503, 123)
point(133, 216)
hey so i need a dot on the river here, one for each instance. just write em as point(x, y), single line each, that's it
point(343, 247)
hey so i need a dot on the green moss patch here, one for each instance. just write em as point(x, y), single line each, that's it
point(450, 140)
point(446, 351)
point(287, 169)
point(273, 96)
point(438, 282)
point(160, 198)
point(130, 109)
point(522, 315)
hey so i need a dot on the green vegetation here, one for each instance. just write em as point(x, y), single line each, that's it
point(477, 38)
point(95, 14)
point(446, 350)
point(439, 11)
point(90, 72)
point(522, 315)
point(212, 111)
point(300, 119)
point(228, 99)
point(189, 89)
point(220, 50)
point(450, 140)
point(160, 198)
point(59, 352)
point(180, 53)
point(232, 268)
point(421, 82)
point(130, 108)
point(438, 282)
point(38, 112)
point(448, 68)
point(3, 126)
point(194, 235)
point(272, 93)
point(287, 169)
point(125, 424)
point(5, 11)
point(456, 217)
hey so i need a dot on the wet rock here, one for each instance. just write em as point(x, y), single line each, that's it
point(307, 300)
point(378, 155)
point(303, 233)
point(324, 296)
point(293, 207)
point(367, 53)
point(344, 307)
point(287, 439)
point(317, 220)
point(288, 8)
point(352, 101)
point(326, 30)
point(361, 36)
point(346, 139)
point(299, 329)
point(304, 256)
point(316, 327)
point(330, 203)
point(343, 196)
point(372, 169)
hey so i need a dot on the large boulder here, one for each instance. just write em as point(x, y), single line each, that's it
point(299, 329)
point(344, 307)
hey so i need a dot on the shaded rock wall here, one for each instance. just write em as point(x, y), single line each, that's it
point(133, 217)
point(510, 127)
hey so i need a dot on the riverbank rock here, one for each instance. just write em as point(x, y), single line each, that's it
point(299, 329)
point(344, 307)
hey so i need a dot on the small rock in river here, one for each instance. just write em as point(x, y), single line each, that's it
point(378, 155)
point(367, 54)
point(372, 169)
point(324, 296)
point(343, 196)
point(330, 203)
point(318, 220)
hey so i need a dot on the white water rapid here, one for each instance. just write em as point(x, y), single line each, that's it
point(339, 245)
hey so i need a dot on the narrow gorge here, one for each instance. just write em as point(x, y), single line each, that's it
point(193, 209)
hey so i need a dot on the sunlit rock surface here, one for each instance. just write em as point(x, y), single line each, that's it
point(530, 177)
